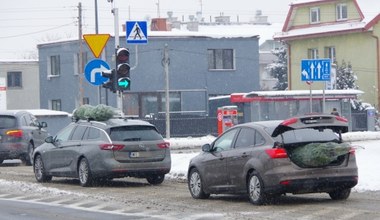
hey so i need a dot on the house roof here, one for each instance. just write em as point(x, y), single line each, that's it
point(365, 23)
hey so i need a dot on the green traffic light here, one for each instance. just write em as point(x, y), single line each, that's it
point(123, 82)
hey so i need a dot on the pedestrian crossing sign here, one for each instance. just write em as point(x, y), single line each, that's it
point(136, 32)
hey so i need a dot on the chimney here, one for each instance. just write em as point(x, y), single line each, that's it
point(159, 24)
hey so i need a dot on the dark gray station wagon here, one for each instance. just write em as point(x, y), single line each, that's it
point(267, 159)
point(103, 150)
point(20, 133)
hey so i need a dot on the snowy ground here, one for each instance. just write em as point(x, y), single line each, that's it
point(367, 146)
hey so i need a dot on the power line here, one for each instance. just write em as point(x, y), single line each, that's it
point(36, 32)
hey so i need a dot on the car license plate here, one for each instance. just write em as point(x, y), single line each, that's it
point(134, 154)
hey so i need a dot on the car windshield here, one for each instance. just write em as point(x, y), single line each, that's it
point(307, 135)
point(134, 133)
point(7, 122)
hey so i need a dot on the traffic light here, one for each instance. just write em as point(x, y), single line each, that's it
point(111, 84)
point(123, 80)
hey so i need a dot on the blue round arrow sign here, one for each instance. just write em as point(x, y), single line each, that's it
point(93, 71)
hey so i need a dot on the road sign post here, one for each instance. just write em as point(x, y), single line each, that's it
point(316, 70)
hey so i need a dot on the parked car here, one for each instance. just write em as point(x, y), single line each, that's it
point(99, 150)
point(259, 159)
point(20, 133)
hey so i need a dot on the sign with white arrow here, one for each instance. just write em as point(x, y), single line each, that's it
point(93, 71)
point(315, 70)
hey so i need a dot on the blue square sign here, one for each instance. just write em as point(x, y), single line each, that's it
point(316, 70)
point(137, 32)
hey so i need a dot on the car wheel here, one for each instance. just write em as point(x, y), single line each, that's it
point(84, 173)
point(195, 185)
point(156, 179)
point(256, 189)
point(1, 161)
point(27, 159)
point(39, 170)
point(340, 194)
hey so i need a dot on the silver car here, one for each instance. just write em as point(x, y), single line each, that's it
point(94, 150)
point(20, 133)
point(259, 159)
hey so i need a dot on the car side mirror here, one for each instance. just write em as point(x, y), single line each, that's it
point(49, 139)
point(42, 125)
point(206, 148)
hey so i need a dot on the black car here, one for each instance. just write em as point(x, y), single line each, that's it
point(266, 159)
point(93, 151)
point(20, 133)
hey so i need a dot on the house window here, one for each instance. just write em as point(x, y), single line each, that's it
point(314, 15)
point(14, 79)
point(55, 65)
point(56, 104)
point(149, 105)
point(330, 53)
point(77, 68)
point(341, 12)
point(312, 53)
point(220, 59)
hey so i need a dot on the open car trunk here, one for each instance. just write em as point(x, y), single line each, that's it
point(314, 155)
point(314, 140)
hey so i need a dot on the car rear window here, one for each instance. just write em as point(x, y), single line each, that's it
point(308, 135)
point(134, 133)
point(7, 121)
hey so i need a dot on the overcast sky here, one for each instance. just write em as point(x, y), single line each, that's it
point(24, 23)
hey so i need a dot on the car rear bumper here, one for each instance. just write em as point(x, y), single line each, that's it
point(12, 150)
point(115, 169)
point(314, 185)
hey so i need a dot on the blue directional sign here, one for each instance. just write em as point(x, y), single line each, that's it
point(316, 70)
point(137, 32)
point(93, 71)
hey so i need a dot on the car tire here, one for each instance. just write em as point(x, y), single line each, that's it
point(26, 159)
point(84, 173)
point(1, 161)
point(340, 194)
point(39, 170)
point(255, 188)
point(195, 185)
point(156, 179)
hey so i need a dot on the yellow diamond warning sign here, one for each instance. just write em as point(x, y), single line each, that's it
point(96, 42)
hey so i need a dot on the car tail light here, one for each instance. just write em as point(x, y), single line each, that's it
point(289, 121)
point(113, 147)
point(15, 133)
point(352, 151)
point(163, 145)
point(285, 182)
point(339, 118)
point(276, 153)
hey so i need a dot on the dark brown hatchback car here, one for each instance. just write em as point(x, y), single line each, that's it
point(267, 159)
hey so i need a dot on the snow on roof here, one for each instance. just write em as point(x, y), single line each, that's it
point(338, 27)
point(233, 30)
point(17, 60)
point(46, 112)
point(303, 92)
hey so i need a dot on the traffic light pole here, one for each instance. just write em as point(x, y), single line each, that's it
point(115, 11)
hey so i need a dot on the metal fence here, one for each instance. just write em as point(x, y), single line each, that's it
point(189, 126)
point(359, 121)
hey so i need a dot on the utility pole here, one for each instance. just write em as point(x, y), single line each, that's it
point(80, 55)
point(165, 63)
point(97, 32)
